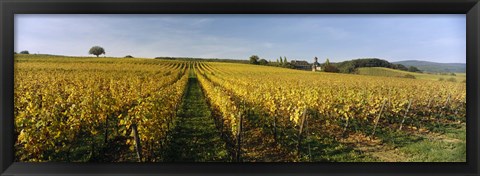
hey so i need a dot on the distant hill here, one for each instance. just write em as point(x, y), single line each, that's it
point(435, 67)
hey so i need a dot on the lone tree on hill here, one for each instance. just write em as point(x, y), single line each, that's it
point(413, 69)
point(254, 59)
point(96, 50)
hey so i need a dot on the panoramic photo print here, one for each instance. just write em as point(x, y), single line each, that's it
point(240, 88)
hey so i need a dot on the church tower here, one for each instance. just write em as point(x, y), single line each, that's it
point(316, 65)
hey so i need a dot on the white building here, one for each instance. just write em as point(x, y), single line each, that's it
point(316, 66)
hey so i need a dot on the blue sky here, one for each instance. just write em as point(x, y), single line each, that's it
point(437, 38)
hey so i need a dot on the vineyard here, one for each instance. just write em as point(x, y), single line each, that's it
point(86, 107)
point(144, 110)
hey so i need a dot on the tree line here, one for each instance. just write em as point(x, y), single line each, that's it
point(282, 62)
point(352, 65)
point(340, 67)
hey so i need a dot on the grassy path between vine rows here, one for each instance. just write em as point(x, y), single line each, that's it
point(195, 137)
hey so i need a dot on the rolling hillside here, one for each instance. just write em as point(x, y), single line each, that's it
point(435, 67)
point(380, 71)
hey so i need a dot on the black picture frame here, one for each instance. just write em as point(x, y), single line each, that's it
point(8, 8)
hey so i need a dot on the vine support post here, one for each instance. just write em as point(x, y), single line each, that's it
point(239, 136)
point(347, 121)
point(445, 106)
point(106, 130)
point(300, 131)
point(428, 107)
point(427, 114)
point(138, 146)
point(92, 151)
point(275, 128)
point(275, 121)
point(405, 115)
point(378, 117)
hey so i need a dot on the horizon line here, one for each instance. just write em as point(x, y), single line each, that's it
point(246, 59)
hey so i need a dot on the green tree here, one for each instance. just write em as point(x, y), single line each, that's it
point(413, 69)
point(24, 52)
point(263, 62)
point(347, 67)
point(330, 68)
point(128, 56)
point(327, 62)
point(285, 59)
point(96, 50)
point(254, 59)
point(400, 67)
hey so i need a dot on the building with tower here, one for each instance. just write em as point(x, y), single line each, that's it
point(316, 66)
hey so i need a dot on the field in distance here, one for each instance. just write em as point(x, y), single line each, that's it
point(87, 109)
point(382, 71)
